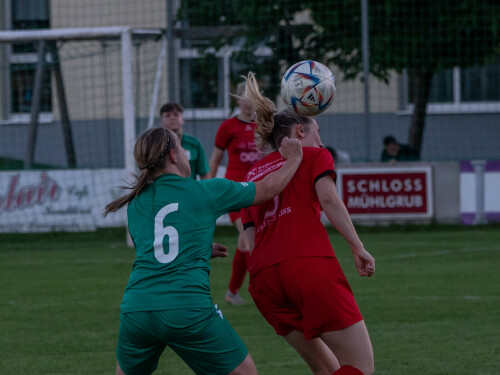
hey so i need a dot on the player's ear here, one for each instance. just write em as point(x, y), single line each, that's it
point(299, 130)
point(172, 156)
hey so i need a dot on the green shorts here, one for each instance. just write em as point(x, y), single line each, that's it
point(202, 338)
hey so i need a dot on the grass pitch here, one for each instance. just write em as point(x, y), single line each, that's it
point(433, 306)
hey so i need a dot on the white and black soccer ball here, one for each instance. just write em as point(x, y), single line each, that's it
point(308, 87)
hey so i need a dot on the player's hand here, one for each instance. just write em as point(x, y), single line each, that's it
point(365, 263)
point(291, 148)
point(219, 250)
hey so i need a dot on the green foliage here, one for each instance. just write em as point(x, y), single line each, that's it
point(425, 35)
point(434, 294)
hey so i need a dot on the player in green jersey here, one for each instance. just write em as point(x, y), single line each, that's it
point(172, 118)
point(171, 219)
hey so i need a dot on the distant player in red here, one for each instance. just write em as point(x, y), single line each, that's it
point(295, 279)
point(236, 135)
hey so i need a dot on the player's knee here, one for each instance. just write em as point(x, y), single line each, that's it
point(368, 367)
point(247, 367)
point(119, 371)
point(322, 370)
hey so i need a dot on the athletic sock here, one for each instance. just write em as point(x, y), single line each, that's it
point(240, 266)
point(347, 370)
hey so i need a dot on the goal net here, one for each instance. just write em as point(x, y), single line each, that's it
point(78, 99)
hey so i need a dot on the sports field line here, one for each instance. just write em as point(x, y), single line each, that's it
point(437, 253)
point(466, 297)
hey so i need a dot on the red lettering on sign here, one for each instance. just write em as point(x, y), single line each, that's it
point(19, 197)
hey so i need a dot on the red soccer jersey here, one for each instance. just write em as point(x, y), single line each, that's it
point(290, 225)
point(238, 138)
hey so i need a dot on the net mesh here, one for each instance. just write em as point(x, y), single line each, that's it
point(92, 79)
point(437, 54)
point(434, 68)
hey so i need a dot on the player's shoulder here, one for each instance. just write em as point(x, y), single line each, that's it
point(212, 183)
point(190, 140)
point(264, 166)
point(216, 186)
point(229, 122)
point(312, 153)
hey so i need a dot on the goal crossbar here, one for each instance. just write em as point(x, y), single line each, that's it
point(86, 33)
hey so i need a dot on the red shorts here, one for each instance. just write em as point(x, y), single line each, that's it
point(234, 215)
point(308, 294)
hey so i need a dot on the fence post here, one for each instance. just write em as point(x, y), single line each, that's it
point(479, 165)
point(172, 71)
point(365, 52)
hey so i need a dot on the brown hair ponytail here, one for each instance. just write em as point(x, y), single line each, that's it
point(150, 151)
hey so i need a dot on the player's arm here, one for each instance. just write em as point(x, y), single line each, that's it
point(249, 227)
point(274, 183)
point(203, 168)
point(215, 160)
point(337, 214)
point(250, 233)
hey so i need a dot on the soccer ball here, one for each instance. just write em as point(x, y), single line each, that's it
point(309, 87)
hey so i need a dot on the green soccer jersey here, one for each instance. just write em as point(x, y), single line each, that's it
point(196, 155)
point(172, 224)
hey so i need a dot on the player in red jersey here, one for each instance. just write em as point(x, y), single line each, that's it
point(236, 135)
point(295, 279)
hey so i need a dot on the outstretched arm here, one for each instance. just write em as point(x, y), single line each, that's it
point(337, 214)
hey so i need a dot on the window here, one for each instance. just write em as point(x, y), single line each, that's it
point(441, 90)
point(199, 82)
point(22, 78)
point(27, 15)
point(22, 59)
point(204, 83)
point(480, 84)
point(456, 90)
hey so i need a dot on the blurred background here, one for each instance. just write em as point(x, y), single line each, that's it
point(79, 79)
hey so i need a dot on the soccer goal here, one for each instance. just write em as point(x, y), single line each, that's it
point(73, 102)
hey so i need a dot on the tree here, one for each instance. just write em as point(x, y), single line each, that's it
point(421, 36)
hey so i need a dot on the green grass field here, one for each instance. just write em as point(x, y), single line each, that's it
point(433, 306)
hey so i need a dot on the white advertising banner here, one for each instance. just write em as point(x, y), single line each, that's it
point(52, 200)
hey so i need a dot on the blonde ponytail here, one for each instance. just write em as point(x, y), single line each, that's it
point(265, 110)
point(272, 127)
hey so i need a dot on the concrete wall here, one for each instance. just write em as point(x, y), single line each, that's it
point(446, 192)
point(96, 13)
point(99, 143)
point(446, 137)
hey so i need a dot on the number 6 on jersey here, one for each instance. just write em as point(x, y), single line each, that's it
point(161, 232)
